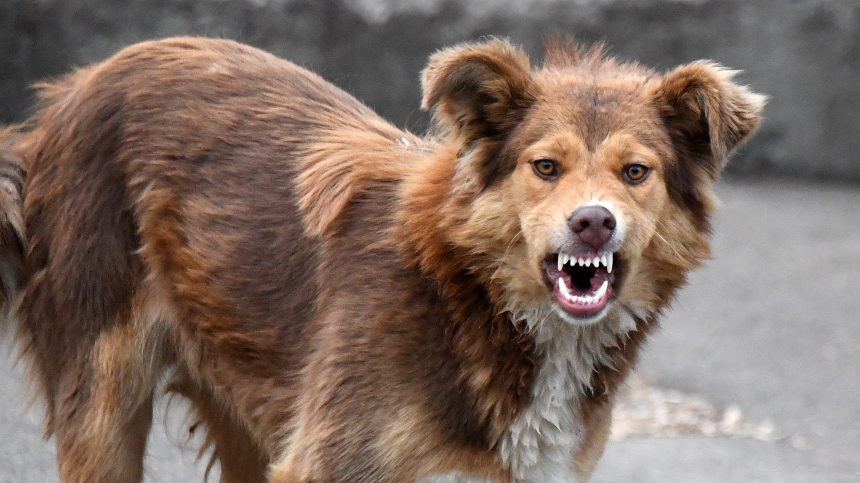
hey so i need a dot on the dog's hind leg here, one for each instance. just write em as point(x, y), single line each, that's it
point(87, 321)
point(95, 344)
point(98, 369)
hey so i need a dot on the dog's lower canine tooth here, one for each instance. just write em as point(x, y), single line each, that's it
point(602, 290)
point(563, 288)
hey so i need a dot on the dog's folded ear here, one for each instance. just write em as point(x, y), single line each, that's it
point(478, 90)
point(706, 113)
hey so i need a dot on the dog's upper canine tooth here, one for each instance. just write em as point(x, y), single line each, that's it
point(609, 262)
point(562, 260)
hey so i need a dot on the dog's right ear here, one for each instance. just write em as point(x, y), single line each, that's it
point(707, 114)
point(477, 90)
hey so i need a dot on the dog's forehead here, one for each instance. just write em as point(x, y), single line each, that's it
point(593, 104)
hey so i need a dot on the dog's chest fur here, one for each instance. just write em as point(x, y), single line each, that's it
point(541, 443)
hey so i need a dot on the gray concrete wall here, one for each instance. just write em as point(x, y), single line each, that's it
point(805, 54)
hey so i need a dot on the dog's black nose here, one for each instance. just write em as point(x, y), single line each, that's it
point(592, 225)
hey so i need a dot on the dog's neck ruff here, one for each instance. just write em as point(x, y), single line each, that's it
point(539, 446)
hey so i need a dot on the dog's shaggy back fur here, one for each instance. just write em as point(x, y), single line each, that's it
point(340, 300)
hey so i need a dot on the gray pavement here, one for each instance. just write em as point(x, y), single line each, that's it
point(771, 326)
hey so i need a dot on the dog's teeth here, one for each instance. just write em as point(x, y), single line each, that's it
point(603, 260)
point(562, 260)
point(587, 300)
point(563, 288)
point(587, 262)
point(580, 262)
point(601, 291)
point(596, 261)
point(609, 262)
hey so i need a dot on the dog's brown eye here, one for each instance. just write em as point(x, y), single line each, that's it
point(635, 173)
point(546, 168)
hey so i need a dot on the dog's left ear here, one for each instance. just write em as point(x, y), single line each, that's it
point(706, 113)
point(478, 90)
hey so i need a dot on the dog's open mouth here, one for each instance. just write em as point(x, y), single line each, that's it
point(582, 285)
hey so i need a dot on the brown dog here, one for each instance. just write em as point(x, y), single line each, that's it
point(342, 301)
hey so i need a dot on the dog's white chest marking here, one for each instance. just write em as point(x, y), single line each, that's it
point(541, 443)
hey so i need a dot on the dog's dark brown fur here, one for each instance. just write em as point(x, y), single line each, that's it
point(338, 299)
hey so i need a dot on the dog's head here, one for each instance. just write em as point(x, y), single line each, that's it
point(588, 182)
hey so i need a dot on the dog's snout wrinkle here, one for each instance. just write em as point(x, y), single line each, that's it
point(592, 225)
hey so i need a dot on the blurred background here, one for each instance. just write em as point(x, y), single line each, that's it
point(755, 375)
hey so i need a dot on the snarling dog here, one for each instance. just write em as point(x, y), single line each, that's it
point(342, 301)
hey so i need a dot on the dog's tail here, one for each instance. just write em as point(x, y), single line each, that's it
point(13, 243)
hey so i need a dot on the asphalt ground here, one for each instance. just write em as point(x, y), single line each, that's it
point(754, 376)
